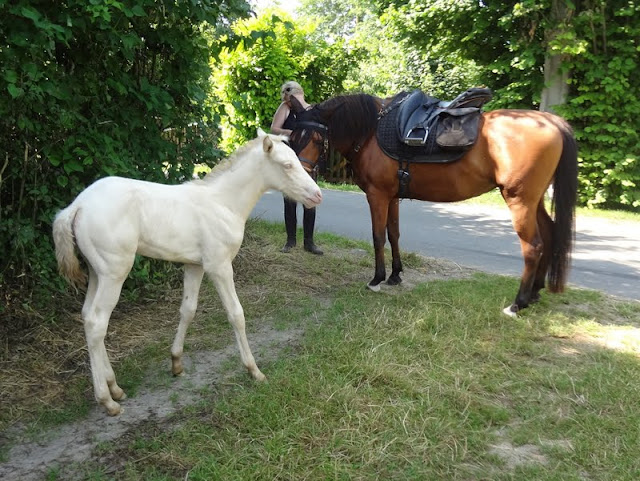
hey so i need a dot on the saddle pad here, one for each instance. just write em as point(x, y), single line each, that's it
point(390, 143)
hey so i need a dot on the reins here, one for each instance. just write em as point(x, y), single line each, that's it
point(323, 130)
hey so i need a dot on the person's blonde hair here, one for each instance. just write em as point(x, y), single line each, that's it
point(289, 88)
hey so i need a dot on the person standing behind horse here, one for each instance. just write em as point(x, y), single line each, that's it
point(283, 122)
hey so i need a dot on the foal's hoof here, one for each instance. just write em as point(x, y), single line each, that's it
point(113, 408)
point(257, 375)
point(374, 287)
point(118, 395)
point(176, 366)
point(511, 311)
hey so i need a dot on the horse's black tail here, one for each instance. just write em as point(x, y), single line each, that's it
point(565, 189)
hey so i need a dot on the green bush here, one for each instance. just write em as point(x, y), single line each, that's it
point(90, 89)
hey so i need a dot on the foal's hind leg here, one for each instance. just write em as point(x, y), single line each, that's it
point(96, 314)
point(192, 280)
point(116, 391)
point(524, 223)
point(393, 233)
point(222, 278)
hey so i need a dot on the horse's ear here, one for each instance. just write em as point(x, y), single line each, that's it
point(261, 133)
point(267, 144)
point(296, 106)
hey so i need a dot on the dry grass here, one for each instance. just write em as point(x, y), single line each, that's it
point(44, 363)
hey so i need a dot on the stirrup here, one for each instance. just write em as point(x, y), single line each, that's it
point(413, 140)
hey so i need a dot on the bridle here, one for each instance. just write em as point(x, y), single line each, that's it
point(309, 165)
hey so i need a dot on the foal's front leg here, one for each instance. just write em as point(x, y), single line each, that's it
point(222, 277)
point(192, 280)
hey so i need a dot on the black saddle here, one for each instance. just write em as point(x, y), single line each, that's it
point(416, 127)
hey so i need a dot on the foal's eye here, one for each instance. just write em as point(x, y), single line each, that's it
point(288, 165)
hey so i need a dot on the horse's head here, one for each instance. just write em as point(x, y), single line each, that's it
point(345, 121)
point(309, 139)
point(283, 172)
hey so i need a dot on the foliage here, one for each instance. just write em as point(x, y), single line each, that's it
point(96, 88)
point(387, 61)
point(502, 42)
point(271, 49)
point(509, 41)
point(603, 50)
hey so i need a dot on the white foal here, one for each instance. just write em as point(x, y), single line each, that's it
point(198, 223)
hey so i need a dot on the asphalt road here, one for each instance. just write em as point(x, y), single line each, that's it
point(606, 255)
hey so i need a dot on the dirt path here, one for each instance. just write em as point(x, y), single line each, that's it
point(61, 447)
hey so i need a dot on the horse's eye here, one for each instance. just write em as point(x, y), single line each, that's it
point(288, 165)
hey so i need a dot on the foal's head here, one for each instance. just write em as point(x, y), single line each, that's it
point(282, 171)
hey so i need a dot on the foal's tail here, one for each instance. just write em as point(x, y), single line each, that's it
point(565, 189)
point(64, 240)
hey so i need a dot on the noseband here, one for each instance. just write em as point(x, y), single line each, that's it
point(309, 165)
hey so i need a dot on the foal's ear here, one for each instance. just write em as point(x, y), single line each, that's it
point(267, 144)
point(261, 133)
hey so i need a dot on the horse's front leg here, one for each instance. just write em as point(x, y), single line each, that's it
point(192, 279)
point(222, 277)
point(379, 210)
point(393, 231)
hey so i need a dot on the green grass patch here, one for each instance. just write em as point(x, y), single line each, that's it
point(429, 383)
point(424, 382)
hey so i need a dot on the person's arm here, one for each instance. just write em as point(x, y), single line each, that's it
point(278, 120)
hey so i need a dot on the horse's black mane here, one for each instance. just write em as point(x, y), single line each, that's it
point(351, 119)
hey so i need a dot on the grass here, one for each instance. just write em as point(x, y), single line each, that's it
point(427, 381)
point(422, 385)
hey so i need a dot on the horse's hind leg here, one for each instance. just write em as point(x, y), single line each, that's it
point(96, 314)
point(393, 232)
point(222, 277)
point(524, 223)
point(545, 228)
point(192, 280)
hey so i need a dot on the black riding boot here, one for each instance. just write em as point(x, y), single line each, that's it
point(308, 224)
point(290, 223)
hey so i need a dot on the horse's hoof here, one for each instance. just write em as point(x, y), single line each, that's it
point(374, 288)
point(394, 281)
point(510, 312)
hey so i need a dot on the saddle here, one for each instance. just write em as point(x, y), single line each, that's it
point(416, 127)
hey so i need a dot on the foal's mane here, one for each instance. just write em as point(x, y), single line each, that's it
point(350, 118)
point(227, 163)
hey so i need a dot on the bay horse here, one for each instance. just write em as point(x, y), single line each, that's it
point(199, 223)
point(519, 151)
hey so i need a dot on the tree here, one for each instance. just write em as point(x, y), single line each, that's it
point(270, 50)
point(93, 89)
point(387, 62)
point(528, 49)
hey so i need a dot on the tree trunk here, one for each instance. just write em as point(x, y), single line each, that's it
point(556, 80)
